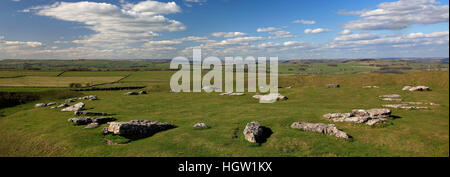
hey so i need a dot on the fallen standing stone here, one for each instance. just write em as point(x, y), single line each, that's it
point(85, 113)
point(77, 107)
point(369, 117)
point(392, 99)
point(136, 128)
point(62, 105)
point(88, 120)
point(333, 85)
point(200, 126)
point(52, 104)
point(92, 125)
point(390, 96)
point(132, 93)
point(40, 105)
point(329, 129)
point(404, 106)
point(417, 88)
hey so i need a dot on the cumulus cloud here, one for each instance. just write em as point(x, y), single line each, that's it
point(228, 34)
point(368, 40)
point(114, 25)
point(317, 31)
point(352, 37)
point(305, 22)
point(267, 29)
point(399, 15)
point(345, 32)
point(280, 34)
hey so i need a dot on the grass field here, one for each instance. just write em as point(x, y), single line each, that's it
point(45, 81)
point(28, 131)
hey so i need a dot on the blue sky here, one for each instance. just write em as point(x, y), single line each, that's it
point(290, 29)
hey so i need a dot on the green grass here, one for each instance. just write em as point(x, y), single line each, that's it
point(45, 81)
point(28, 131)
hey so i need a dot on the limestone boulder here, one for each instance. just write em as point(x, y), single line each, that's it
point(131, 93)
point(253, 132)
point(136, 128)
point(40, 105)
point(200, 126)
point(333, 85)
point(76, 107)
point(329, 129)
point(88, 120)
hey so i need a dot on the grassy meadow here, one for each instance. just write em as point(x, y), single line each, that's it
point(29, 131)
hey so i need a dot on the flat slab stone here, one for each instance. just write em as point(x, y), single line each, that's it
point(136, 128)
point(329, 129)
point(200, 126)
point(390, 96)
point(88, 120)
point(370, 117)
point(77, 107)
point(333, 85)
point(40, 105)
point(92, 125)
point(86, 113)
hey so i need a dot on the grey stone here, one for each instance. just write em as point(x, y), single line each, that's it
point(40, 105)
point(86, 113)
point(270, 98)
point(92, 125)
point(370, 86)
point(333, 85)
point(62, 105)
point(329, 129)
point(361, 116)
point(52, 104)
point(405, 88)
point(337, 115)
point(416, 88)
point(404, 106)
point(390, 96)
point(70, 100)
point(77, 107)
point(132, 93)
point(253, 131)
point(200, 126)
point(392, 99)
point(88, 120)
point(136, 128)
point(232, 94)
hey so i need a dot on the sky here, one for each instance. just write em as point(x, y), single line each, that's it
point(288, 29)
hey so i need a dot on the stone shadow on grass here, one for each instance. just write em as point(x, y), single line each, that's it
point(395, 117)
point(266, 133)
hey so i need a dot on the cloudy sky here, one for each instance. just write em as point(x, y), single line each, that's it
point(289, 29)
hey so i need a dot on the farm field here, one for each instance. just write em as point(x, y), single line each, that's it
point(29, 131)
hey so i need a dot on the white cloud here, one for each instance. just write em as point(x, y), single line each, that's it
point(228, 34)
point(115, 26)
point(306, 22)
point(345, 32)
point(280, 34)
point(267, 29)
point(360, 36)
point(400, 14)
point(317, 31)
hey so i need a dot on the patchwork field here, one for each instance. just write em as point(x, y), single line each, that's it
point(29, 131)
